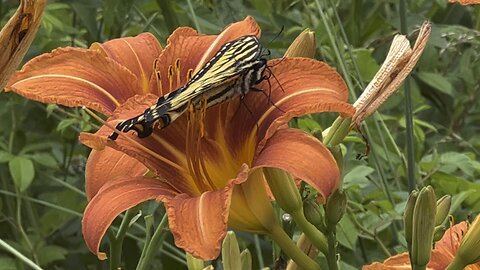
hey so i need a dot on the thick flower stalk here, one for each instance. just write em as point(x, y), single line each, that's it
point(207, 165)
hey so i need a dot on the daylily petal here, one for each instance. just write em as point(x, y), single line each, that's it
point(251, 209)
point(465, 2)
point(199, 223)
point(109, 165)
point(119, 196)
point(17, 35)
point(397, 262)
point(137, 54)
point(298, 86)
point(308, 159)
point(76, 77)
point(186, 46)
point(235, 30)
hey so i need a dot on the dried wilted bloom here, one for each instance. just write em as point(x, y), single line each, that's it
point(400, 61)
point(17, 35)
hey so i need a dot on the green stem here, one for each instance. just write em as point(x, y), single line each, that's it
point(408, 109)
point(332, 248)
point(194, 16)
point(338, 131)
point(301, 259)
point(258, 250)
point(116, 241)
point(19, 255)
point(154, 245)
point(456, 264)
point(20, 226)
point(315, 236)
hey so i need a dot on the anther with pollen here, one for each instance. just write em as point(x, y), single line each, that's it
point(158, 77)
point(177, 71)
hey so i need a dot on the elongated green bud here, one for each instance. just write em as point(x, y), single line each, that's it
point(408, 218)
point(303, 46)
point(443, 208)
point(284, 189)
point(314, 214)
point(336, 207)
point(194, 263)
point(246, 260)
point(438, 233)
point(231, 252)
point(336, 151)
point(423, 227)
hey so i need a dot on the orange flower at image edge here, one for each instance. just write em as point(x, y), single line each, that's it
point(465, 2)
point(203, 159)
point(442, 254)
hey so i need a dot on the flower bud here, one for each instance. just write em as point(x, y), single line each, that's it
point(314, 214)
point(408, 218)
point(335, 208)
point(443, 208)
point(307, 247)
point(423, 226)
point(438, 233)
point(303, 46)
point(283, 189)
point(468, 252)
point(194, 263)
point(230, 252)
point(246, 260)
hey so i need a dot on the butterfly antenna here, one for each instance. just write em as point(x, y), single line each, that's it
point(272, 40)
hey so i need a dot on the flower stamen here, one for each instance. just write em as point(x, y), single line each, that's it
point(170, 77)
point(195, 134)
point(158, 77)
point(189, 74)
point(177, 71)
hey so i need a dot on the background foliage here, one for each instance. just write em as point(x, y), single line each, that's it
point(42, 163)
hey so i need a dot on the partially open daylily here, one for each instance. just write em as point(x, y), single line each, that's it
point(206, 162)
point(17, 35)
point(442, 254)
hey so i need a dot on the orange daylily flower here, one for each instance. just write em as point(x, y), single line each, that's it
point(203, 160)
point(442, 254)
point(465, 2)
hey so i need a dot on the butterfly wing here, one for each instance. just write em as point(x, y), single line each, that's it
point(215, 78)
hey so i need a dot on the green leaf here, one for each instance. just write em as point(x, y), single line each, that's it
point(45, 159)
point(22, 172)
point(358, 175)
point(49, 254)
point(436, 81)
point(7, 263)
point(5, 156)
point(66, 123)
point(367, 65)
point(51, 108)
point(347, 233)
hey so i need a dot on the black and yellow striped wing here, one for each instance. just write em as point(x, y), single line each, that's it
point(235, 68)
